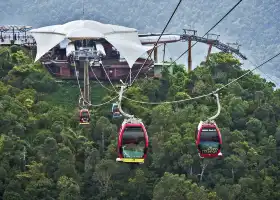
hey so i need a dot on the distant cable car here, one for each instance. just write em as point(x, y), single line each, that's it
point(208, 140)
point(84, 116)
point(116, 111)
point(132, 142)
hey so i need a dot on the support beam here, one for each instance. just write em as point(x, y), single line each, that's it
point(130, 76)
point(164, 45)
point(190, 38)
point(209, 51)
point(190, 55)
point(214, 41)
point(86, 81)
point(155, 55)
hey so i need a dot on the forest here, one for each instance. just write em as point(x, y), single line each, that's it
point(46, 155)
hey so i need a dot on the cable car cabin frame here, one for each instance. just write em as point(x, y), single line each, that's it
point(116, 114)
point(81, 116)
point(208, 125)
point(120, 143)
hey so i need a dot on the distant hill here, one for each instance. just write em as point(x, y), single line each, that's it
point(254, 24)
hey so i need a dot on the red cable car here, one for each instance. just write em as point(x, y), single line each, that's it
point(208, 140)
point(84, 116)
point(132, 143)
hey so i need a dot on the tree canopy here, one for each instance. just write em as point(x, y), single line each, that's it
point(45, 154)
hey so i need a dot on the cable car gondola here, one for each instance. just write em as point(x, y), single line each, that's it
point(116, 111)
point(132, 142)
point(84, 116)
point(208, 140)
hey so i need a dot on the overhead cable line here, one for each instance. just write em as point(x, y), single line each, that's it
point(198, 97)
point(155, 45)
point(267, 75)
point(209, 30)
point(205, 95)
point(99, 80)
point(189, 99)
point(249, 71)
point(108, 77)
point(107, 102)
point(81, 93)
point(130, 74)
point(149, 56)
point(135, 76)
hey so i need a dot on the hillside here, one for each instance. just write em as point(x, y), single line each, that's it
point(45, 154)
point(254, 24)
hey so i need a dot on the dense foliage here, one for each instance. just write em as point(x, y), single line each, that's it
point(45, 154)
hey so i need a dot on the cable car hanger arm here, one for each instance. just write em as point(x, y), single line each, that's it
point(120, 102)
point(219, 108)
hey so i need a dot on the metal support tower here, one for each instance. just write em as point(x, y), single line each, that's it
point(210, 43)
point(86, 81)
point(156, 54)
point(215, 43)
point(209, 51)
point(190, 47)
point(190, 55)
point(86, 55)
point(163, 57)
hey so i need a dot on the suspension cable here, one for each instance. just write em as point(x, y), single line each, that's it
point(145, 73)
point(205, 95)
point(149, 56)
point(100, 81)
point(167, 102)
point(183, 100)
point(209, 30)
point(108, 77)
point(97, 105)
point(158, 45)
point(81, 93)
point(266, 74)
point(249, 71)
point(189, 99)
point(107, 102)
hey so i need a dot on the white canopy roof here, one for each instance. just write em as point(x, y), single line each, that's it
point(124, 39)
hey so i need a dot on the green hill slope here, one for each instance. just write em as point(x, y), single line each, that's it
point(45, 154)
